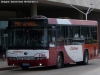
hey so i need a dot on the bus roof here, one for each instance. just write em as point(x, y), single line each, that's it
point(64, 21)
point(72, 22)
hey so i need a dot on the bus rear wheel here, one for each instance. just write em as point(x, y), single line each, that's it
point(85, 58)
point(59, 61)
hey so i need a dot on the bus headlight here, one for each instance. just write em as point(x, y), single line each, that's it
point(12, 58)
point(22, 58)
point(28, 58)
point(40, 64)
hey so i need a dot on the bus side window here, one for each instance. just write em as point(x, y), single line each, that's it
point(66, 40)
point(52, 36)
point(61, 35)
point(90, 34)
point(94, 34)
point(70, 31)
point(85, 34)
point(76, 31)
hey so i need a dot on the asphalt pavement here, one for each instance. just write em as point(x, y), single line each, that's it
point(91, 69)
point(4, 66)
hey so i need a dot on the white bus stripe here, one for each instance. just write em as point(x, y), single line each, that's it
point(63, 21)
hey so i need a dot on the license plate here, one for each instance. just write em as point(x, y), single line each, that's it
point(26, 64)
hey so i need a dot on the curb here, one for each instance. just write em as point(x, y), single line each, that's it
point(4, 66)
point(98, 57)
point(2, 60)
point(8, 68)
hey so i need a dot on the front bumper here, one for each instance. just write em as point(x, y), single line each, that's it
point(43, 62)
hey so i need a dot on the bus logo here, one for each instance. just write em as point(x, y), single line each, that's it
point(73, 48)
point(17, 51)
point(25, 53)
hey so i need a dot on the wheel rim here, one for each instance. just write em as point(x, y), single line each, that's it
point(59, 60)
point(86, 58)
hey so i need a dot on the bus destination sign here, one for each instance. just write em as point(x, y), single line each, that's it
point(24, 24)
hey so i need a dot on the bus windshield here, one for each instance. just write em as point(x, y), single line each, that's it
point(27, 34)
point(34, 38)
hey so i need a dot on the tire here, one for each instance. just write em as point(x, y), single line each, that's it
point(59, 61)
point(85, 58)
point(24, 67)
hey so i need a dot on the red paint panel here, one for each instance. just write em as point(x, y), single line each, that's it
point(53, 52)
point(91, 48)
point(52, 21)
point(83, 22)
point(53, 56)
point(67, 59)
point(31, 62)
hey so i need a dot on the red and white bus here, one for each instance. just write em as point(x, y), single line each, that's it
point(41, 41)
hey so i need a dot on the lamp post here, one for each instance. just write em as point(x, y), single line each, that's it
point(88, 11)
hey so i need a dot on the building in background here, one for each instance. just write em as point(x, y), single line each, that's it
point(48, 8)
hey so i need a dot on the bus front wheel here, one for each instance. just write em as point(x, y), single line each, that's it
point(59, 61)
